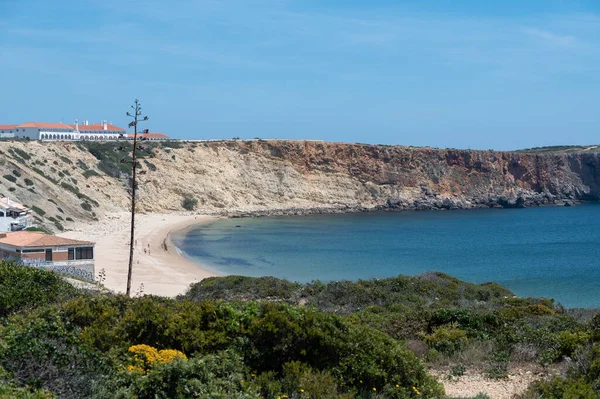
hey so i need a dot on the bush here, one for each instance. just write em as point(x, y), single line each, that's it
point(22, 153)
point(86, 206)
point(23, 287)
point(189, 203)
point(37, 210)
point(89, 173)
point(222, 375)
point(10, 178)
point(16, 173)
point(447, 340)
point(28, 181)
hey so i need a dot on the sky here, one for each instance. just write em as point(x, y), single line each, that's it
point(451, 74)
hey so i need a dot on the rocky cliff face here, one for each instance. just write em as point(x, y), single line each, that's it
point(66, 181)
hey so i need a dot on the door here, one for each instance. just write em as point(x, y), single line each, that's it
point(48, 255)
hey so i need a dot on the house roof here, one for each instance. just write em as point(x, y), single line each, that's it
point(36, 239)
point(99, 127)
point(45, 125)
point(8, 203)
point(149, 135)
point(7, 127)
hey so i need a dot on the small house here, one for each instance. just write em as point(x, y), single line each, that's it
point(46, 251)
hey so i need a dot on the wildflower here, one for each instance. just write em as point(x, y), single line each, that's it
point(397, 386)
point(374, 389)
point(416, 390)
point(301, 390)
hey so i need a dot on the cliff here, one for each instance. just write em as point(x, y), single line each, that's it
point(70, 181)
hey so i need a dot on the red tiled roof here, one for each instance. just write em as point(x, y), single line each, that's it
point(99, 127)
point(7, 127)
point(45, 125)
point(37, 239)
point(149, 135)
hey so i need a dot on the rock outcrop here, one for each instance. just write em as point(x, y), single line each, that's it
point(277, 177)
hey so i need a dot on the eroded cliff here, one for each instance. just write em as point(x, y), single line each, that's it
point(65, 181)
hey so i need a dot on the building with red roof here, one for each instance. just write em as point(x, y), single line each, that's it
point(7, 131)
point(48, 131)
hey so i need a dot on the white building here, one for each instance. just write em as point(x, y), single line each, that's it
point(63, 132)
point(98, 131)
point(7, 131)
point(14, 216)
point(44, 131)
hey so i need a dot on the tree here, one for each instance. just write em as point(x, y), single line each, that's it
point(136, 117)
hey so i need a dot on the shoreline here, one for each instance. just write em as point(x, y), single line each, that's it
point(157, 271)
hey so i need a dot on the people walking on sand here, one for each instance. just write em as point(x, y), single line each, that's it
point(144, 250)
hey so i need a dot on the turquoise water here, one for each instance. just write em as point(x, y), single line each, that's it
point(547, 252)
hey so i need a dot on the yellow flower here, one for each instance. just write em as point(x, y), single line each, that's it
point(374, 388)
point(416, 390)
point(397, 386)
point(301, 390)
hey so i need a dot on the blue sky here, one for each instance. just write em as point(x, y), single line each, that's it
point(463, 74)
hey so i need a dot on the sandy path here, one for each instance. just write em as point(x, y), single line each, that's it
point(162, 272)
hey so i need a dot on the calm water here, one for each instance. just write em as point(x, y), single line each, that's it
point(551, 252)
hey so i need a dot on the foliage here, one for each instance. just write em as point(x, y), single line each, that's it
point(86, 206)
point(16, 173)
point(189, 203)
point(23, 287)
point(10, 178)
point(28, 181)
point(21, 153)
point(37, 210)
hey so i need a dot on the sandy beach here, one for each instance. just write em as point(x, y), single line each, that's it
point(162, 272)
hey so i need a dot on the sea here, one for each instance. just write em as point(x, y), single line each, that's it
point(551, 252)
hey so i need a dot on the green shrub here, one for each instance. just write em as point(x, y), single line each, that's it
point(86, 206)
point(89, 173)
point(447, 340)
point(23, 287)
point(37, 210)
point(41, 351)
point(70, 188)
point(16, 173)
point(82, 164)
point(10, 178)
point(222, 375)
point(22, 153)
point(28, 181)
point(189, 203)
point(560, 388)
point(150, 165)
point(66, 160)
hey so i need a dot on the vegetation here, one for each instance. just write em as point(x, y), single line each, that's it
point(10, 178)
point(28, 181)
point(189, 203)
point(38, 210)
point(79, 344)
point(445, 320)
point(242, 337)
point(89, 173)
point(556, 149)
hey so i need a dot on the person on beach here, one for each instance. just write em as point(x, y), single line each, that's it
point(144, 250)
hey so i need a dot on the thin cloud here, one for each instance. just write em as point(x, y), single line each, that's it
point(552, 38)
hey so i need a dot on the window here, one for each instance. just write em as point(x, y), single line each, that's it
point(84, 253)
point(71, 253)
point(32, 251)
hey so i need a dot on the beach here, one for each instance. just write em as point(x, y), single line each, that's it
point(158, 270)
